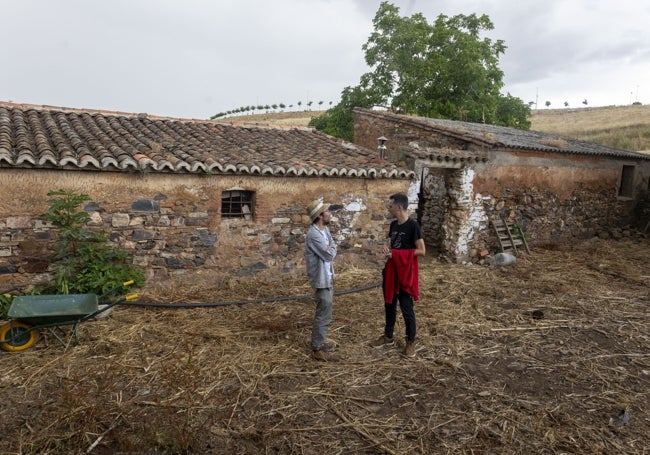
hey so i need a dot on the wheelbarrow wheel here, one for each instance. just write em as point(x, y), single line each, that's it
point(17, 336)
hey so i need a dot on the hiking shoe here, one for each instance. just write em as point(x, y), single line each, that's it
point(383, 342)
point(329, 346)
point(324, 356)
point(409, 349)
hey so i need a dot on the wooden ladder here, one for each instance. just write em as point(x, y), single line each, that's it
point(510, 236)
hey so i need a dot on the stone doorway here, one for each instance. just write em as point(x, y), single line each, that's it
point(432, 207)
point(445, 210)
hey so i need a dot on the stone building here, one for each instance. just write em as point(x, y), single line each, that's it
point(188, 197)
point(556, 189)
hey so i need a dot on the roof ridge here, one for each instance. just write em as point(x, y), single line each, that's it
point(86, 110)
point(46, 107)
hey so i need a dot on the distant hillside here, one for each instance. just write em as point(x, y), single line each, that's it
point(626, 127)
point(301, 118)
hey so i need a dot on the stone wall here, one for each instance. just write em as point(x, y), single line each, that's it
point(556, 200)
point(642, 213)
point(172, 223)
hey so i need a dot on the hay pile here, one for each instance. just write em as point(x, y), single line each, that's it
point(488, 377)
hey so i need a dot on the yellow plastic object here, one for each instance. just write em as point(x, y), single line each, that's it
point(17, 336)
point(131, 297)
point(128, 283)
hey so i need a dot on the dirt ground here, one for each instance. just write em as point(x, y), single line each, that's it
point(489, 378)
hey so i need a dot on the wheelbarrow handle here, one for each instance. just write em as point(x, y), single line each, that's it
point(109, 292)
point(107, 306)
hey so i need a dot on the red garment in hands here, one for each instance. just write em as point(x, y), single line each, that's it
point(401, 273)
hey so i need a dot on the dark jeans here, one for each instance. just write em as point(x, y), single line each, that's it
point(406, 305)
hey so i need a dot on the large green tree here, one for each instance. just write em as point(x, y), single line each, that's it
point(444, 69)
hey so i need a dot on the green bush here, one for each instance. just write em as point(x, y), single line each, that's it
point(5, 303)
point(85, 263)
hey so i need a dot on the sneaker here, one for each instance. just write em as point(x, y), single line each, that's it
point(409, 349)
point(383, 342)
point(324, 356)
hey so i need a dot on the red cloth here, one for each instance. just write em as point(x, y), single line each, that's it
point(401, 274)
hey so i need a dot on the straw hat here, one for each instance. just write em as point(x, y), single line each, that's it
point(316, 208)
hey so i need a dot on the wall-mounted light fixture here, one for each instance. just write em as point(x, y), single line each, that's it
point(382, 147)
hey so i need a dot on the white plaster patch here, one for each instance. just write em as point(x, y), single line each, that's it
point(355, 206)
point(476, 213)
point(413, 192)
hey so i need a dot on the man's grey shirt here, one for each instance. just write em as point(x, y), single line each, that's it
point(318, 258)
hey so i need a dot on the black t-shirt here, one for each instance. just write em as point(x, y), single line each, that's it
point(403, 236)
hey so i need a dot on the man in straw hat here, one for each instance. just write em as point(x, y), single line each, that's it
point(320, 251)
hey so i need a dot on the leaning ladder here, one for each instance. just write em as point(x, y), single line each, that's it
point(509, 235)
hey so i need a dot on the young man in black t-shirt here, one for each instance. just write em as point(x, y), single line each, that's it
point(401, 273)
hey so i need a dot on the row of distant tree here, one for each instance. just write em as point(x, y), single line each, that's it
point(566, 103)
point(267, 108)
point(548, 103)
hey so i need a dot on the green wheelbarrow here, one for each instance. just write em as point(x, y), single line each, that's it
point(29, 314)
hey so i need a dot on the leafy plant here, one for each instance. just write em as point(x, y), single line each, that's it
point(520, 229)
point(5, 303)
point(84, 262)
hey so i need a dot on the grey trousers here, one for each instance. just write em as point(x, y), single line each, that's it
point(324, 299)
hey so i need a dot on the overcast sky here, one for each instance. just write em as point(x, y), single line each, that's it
point(195, 58)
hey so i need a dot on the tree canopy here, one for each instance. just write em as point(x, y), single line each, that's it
point(445, 69)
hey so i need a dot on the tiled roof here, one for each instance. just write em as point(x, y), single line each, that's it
point(494, 137)
point(41, 137)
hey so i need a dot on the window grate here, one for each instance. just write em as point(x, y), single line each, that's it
point(237, 204)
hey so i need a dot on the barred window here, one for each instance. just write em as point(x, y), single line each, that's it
point(237, 204)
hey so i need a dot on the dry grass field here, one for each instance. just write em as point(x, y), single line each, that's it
point(489, 377)
point(626, 127)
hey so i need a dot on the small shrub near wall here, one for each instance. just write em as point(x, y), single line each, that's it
point(84, 261)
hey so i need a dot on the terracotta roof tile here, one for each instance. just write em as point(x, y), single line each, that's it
point(57, 138)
